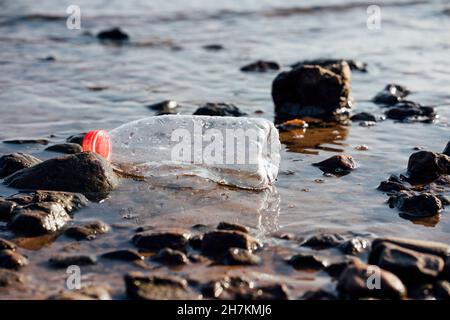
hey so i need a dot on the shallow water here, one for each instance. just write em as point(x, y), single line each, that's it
point(91, 86)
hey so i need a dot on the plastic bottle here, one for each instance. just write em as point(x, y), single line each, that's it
point(242, 152)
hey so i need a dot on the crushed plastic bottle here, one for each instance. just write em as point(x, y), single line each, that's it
point(241, 152)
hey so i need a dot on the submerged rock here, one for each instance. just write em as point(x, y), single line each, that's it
point(171, 257)
point(76, 138)
point(339, 164)
point(218, 242)
point(426, 165)
point(213, 47)
point(364, 116)
point(39, 218)
point(354, 280)
point(391, 94)
point(165, 107)
point(87, 173)
point(14, 162)
point(411, 111)
point(232, 226)
point(323, 241)
point(124, 255)
point(354, 246)
point(114, 34)
point(159, 239)
point(27, 141)
point(238, 256)
point(94, 292)
point(393, 184)
point(313, 91)
point(10, 259)
point(353, 64)
point(307, 261)
point(9, 278)
point(219, 109)
point(416, 206)
point(261, 66)
point(157, 287)
point(88, 230)
point(66, 260)
point(69, 148)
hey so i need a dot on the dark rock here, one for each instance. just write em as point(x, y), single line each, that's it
point(198, 258)
point(363, 116)
point(9, 278)
point(156, 240)
point(86, 172)
point(171, 257)
point(39, 218)
point(22, 199)
point(338, 164)
point(392, 186)
point(356, 282)
point(88, 230)
point(426, 165)
point(230, 288)
point(157, 287)
point(69, 148)
point(165, 107)
point(94, 292)
point(429, 247)
point(12, 260)
point(219, 109)
point(391, 94)
point(218, 242)
point(447, 149)
point(320, 294)
point(124, 255)
point(353, 64)
point(445, 200)
point(70, 201)
point(213, 47)
point(114, 34)
point(196, 241)
point(422, 292)
point(416, 206)
point(407, 110)
point(323, 241)
point(76, 138)
point(66, 260)
point(238, 256)
point(313, 91)
point(354, 246)
point(27, 141)
point(441, 290)
point(307, 261)
point(14, 162)
point(261, 66)
point(6, 209)
point(7, 245)
point(232, 226)
point(335, 269)
point(410, 266)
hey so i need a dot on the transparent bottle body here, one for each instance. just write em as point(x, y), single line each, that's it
point(241, 152)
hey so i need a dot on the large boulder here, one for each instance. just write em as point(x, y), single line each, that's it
point(86, 173)
point(313, 91)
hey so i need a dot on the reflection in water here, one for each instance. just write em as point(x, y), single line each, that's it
point(313, 139)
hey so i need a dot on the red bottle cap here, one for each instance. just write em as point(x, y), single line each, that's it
point(98, 141)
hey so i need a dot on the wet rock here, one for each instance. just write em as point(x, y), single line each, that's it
point(6, 209)
point(416, 206)
point(196, 241)
point(219, 109)
point(114, 34)
point(447, 149)
point(76, 138)
point(165, 107)
point(7, 245)
point(261, 66)
point(353, 64)
point(86, 173)
point(218, 242)
point(238, 256)
point(171, 257)
point(232, 226)
point(307, 261)
point(12, 260)
point(157, 287)
point(422, 292)
point(69, 148)
point(364, 116)
point(445, 200)
point(39, 218)
point(426, 165)
point(429, 247)
point(441, 290)
point(94, 292)
point(14, 162)
point(393, 184)
point(409, 265)
point(323, 241)
point(213, 47)
point(88, 230)
point(124, 255)
point(391, 94)
point(320, 294)
point(70, 201)
point(198, 258)
point(27, 141)
point(228, 288)
point(10, 278)
point(156, 240)
point(355, 246)
point(410, 111)
point(354, 280)
point(66, 260)
point(335, 269)
point(313, 91)
point(338, 164)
